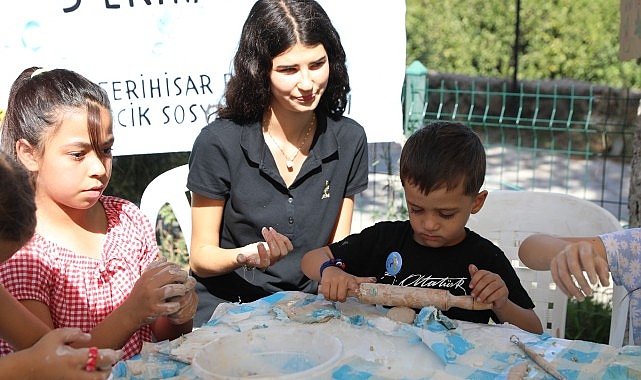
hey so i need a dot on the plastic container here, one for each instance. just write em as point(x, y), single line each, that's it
point(270, 353)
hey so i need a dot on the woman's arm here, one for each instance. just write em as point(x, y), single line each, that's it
point(207, 258)
point(568, 259)
point(343, 225)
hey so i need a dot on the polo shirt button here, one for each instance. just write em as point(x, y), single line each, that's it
point(290, 200)
point(291, 220)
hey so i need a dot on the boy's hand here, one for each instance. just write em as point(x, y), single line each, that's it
point(488, 287)
point(335, 284)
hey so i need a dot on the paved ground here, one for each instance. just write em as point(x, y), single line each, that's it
point(604, 182)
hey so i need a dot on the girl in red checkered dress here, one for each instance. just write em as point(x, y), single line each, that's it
point(93, 261)
point(17, 324)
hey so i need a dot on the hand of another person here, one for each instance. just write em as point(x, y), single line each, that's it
point(336, 284)
point(53, 358)
point(278, 246)
point(488, 287)
point(154, 293)
point(571, 262)
point(188, 304)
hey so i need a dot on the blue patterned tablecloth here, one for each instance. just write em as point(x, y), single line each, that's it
point(376, 347)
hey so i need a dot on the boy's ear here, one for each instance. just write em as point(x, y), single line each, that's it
point(479, 200)
point(27, 155)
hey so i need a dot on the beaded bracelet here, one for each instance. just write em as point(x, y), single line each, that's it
point(332, 263)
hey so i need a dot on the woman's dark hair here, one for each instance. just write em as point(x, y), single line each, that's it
point(17, 202)
point(38, 100)
point(443, 155)
point(272, 27)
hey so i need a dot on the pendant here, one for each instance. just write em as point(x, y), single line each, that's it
point(290, 164)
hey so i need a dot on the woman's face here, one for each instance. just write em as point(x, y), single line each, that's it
point(299, 77)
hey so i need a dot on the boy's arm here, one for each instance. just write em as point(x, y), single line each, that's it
point(525, 319)
point(14, 317)
point(489, 287)
point(313, 260)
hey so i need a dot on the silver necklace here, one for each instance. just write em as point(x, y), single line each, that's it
point(289, 162)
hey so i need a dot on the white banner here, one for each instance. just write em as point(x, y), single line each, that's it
point(164, 62)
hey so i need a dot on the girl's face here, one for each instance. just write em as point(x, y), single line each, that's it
point(299, 77)
point(70, 172)
point(439, 218)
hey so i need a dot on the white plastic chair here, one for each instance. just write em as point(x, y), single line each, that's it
point(508, 217)
point(169, 187)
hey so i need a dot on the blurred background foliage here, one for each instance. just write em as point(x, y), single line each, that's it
point(559, 39)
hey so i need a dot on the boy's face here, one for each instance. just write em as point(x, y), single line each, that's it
point(438, 219)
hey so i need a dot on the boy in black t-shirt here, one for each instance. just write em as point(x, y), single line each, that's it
point(442, 169)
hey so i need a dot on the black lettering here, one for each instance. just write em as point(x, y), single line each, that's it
point(72, 8)
point(177, 86)
point(156, 87)
point(119, 120)
point(182, 114)
point(110, 6)
point(143, 115)
point(131, 89)
point(204, 83)
point(167, 118)
point(191, 111)
point(190, 86)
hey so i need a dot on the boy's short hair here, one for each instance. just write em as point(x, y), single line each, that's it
point(443, 154)
point(17, 202)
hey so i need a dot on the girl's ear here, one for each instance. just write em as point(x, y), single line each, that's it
point(27, 155)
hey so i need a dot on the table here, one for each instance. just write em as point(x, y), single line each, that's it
point(376, 347)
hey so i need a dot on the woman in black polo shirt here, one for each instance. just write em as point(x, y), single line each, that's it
point(280, 164)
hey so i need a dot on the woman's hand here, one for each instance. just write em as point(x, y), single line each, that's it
point(259, 256)
point(570, 263)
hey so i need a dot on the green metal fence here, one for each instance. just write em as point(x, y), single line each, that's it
point(560, 136)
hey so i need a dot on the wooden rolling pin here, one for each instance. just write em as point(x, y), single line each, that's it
point(394, 295)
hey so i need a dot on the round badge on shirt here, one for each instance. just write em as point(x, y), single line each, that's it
point(393, 263)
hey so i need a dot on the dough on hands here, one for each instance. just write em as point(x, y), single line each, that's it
point(402, 314)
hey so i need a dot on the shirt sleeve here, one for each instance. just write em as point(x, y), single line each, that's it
point(623, 249)
point(209, 172)
point(27, 276)
point(358, 176)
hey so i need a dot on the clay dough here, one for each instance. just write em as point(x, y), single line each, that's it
point(402, 314)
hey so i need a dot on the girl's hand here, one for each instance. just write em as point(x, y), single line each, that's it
point(488, 287)
point(259, 256)
point(571, 262)
point(188, 304)
point(154, 293)
point(56, 359)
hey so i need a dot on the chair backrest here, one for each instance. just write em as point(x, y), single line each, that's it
point(169, 187)
point(508, 217)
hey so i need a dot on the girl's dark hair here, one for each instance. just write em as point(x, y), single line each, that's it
point(17, 202)
point(443, 154)
point(38, 100)
point(272, 27)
